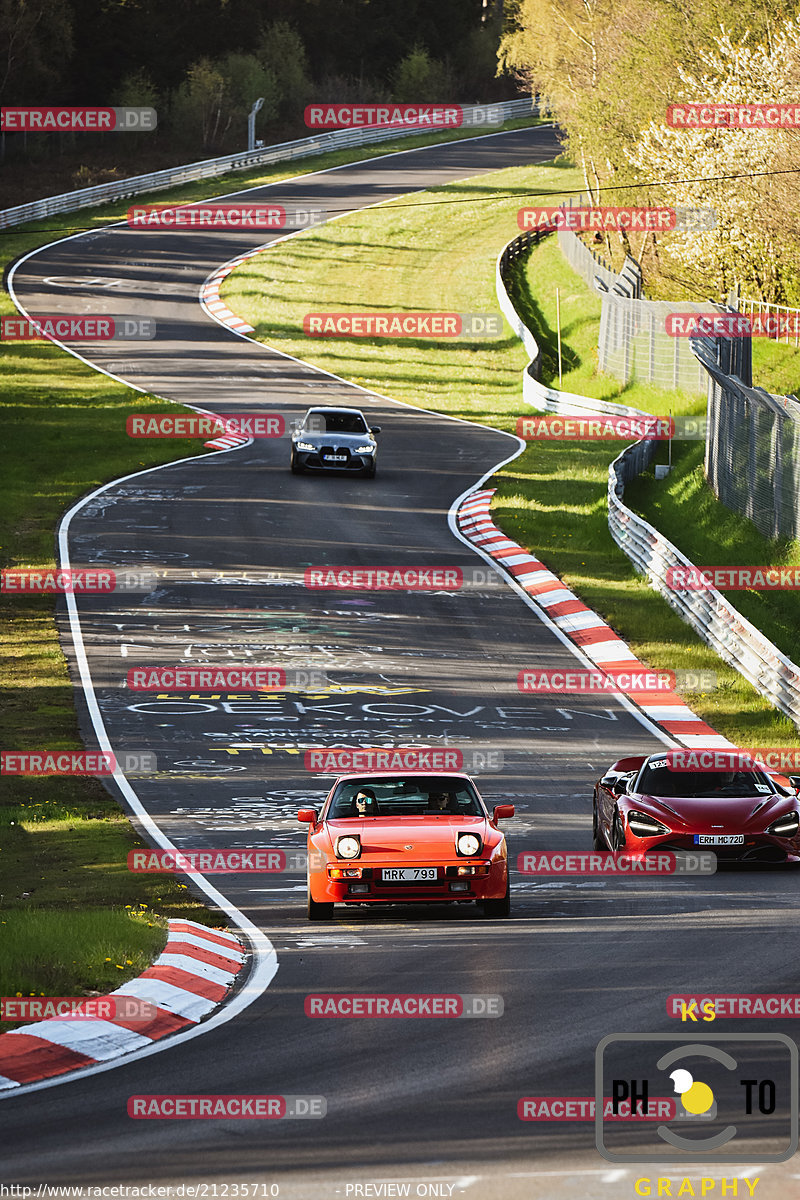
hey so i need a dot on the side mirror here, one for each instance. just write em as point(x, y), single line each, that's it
point(308, 815)
point(614, 783)
point(502, 812)
point(375, 429)
point(794, 780)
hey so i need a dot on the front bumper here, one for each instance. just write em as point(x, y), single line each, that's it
point(452, 883)
point(756, 848)
point(314, 460)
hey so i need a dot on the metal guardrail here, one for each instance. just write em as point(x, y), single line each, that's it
point(534, 392)
point(714, 618)
point(719, 624)
point(321, 143)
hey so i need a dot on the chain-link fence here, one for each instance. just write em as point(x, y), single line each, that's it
point(752, 457)
point(633, 341)
point(594, 270)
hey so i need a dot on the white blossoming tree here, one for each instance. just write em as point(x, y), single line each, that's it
point(754, 243)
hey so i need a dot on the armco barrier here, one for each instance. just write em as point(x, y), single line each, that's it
point(714, 618)
point(321, 143)
point(719, 624)
point(533, 392)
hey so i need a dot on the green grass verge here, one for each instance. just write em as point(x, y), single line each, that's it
point(440, 255)
point(88, 953)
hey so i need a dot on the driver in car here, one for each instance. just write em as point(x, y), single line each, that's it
point(440, 802)
point(366, 804)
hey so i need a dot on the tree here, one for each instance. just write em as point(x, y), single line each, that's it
point(281, 52)
point(246, 80)
point(35, 48)
point(216, 97)
point(754, 242)
point(419, 77)
point(197, 113)
point(137, 90)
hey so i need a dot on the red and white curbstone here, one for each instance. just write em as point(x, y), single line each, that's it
point(189, 979)
point(209, 298)
point(581, 625)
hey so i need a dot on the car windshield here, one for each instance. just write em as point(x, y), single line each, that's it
point(334, 422)
point(412, 797)
point(659, 780)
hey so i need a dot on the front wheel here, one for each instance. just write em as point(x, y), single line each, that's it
point(317, 911)
point(617, 832)
point(499, 908)
point(296, 469)
point(598, 841)
point(369, 472)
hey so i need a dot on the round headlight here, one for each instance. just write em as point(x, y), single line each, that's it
point(348, 847)
point(468, 843)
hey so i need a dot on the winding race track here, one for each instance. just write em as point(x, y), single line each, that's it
point(433, 1102)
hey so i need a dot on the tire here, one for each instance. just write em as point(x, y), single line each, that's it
point(369, 472)
point(617, 832)
point(499, 908)
point(295, 467)
point(598, 841)
point(318, 912)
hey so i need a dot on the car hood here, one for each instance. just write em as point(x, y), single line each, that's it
point(381, 836)
point(351, 440)
point(740, 812)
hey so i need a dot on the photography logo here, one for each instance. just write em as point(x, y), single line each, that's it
point(731, 1091)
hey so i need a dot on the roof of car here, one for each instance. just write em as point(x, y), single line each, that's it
point(403, 775)
point(334, 408)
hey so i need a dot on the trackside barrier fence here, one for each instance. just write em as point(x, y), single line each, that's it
point(321, 143)
point(709, 613)
point(632, 340)
point(752, 459)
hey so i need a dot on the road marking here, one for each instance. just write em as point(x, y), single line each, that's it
point(78, 281)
